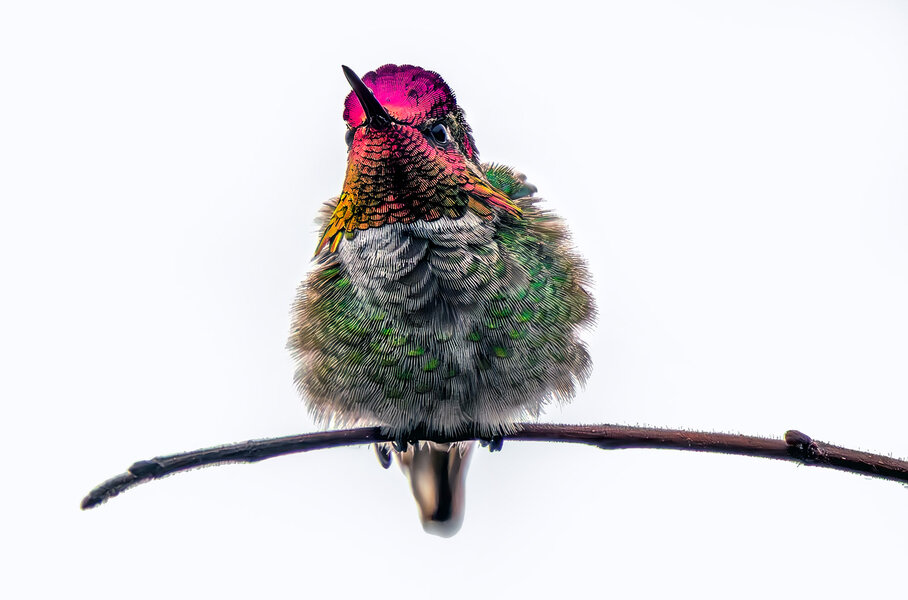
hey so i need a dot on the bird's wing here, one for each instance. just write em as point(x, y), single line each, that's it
point(509, 181)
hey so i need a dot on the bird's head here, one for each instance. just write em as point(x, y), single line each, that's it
point(411, 155)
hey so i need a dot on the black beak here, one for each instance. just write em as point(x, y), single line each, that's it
point(376, 115)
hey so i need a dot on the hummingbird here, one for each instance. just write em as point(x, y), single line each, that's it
point(444, 301)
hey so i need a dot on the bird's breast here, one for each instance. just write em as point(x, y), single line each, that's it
point(431, 271)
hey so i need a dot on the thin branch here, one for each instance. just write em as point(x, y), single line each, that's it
point(796, 447)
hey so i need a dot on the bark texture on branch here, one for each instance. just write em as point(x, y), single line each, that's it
point(795, 446)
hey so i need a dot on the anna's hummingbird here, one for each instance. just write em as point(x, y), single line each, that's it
point(444, 301)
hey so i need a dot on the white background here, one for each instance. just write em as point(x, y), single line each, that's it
point(736, 174)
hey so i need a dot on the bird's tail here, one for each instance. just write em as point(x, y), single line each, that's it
point(437, 474)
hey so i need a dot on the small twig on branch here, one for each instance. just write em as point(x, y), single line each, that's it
point(796, 447)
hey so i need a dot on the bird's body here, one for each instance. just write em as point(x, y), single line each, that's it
point(444, 301)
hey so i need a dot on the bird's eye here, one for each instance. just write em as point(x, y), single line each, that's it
point(348, 137)
point(439, 134)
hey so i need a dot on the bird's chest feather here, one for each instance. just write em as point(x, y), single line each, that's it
point(442, 274)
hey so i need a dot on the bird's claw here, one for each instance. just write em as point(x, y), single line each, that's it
point(384, 455)
point(494, 443)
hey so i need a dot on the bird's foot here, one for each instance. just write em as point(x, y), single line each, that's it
point(384, 455)
point(493, 443)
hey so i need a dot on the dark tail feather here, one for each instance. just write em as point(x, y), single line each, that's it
point(437, 474)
